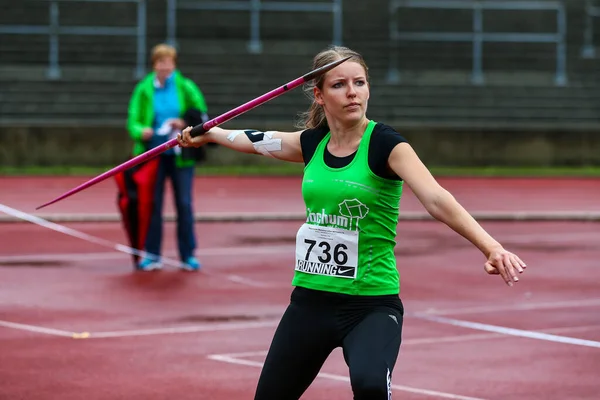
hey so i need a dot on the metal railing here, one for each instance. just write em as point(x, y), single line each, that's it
point(477, 36)
point(255, 7)
point(54, 30)
point(591, 10)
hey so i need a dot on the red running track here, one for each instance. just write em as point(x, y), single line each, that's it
point(237, 194)
point(173, 334)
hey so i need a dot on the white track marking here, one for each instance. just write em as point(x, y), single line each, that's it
point(425, 392)
point(446, 339)
point(220, 252)
point(126, 249)
point(257, 325)
point(486, 336)
point(509, 331)
point(36, 329)
point(238, 326)
point(250, 282)
point(80, 235)
point(515, 307)
point(210, 252)
point(409, 389)
point(234, 360)
point(234, 326)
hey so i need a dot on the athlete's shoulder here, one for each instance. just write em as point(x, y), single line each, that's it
point(387, 133)
point(383, 141)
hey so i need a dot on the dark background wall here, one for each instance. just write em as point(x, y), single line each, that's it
point(519, 117)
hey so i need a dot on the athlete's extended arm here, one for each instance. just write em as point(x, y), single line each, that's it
point(281, 145)
point(441, 205)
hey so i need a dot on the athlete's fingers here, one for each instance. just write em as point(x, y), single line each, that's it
point(498, 262)
point(516, 264)
point(510, 268)
point(490, 269)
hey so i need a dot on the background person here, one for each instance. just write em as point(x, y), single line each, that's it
point(162, 104)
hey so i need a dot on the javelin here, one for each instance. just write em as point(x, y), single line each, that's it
point(202, 128)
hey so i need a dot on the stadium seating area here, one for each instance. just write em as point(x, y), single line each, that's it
point(97, 72)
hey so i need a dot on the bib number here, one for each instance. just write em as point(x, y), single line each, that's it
point(322, 250)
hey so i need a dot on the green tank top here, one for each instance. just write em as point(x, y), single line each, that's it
point(347, 243)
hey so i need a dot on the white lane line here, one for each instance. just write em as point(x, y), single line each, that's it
point(425, 392)
point(36, 329)
point(214, 251)
point(509, 331)
point(446, 339)
point(514, 307)
point(486, 336)
point(120, 247)
point(80, 235)
point(254, 283)
point(257, 325)
point(234, 326)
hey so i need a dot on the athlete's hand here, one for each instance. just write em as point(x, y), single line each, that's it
point(186, 140)
point(504, 263)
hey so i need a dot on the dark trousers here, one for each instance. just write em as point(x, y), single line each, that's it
point(368, 329)
point(182, 182)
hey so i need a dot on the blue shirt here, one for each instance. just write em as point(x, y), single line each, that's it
point(166, 106)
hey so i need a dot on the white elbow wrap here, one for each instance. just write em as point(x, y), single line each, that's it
point(263, 142)
point(267, 144)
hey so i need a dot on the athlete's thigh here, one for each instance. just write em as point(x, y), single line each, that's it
point(371, 348)
point(301, 344)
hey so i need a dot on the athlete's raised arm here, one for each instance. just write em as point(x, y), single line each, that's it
point(281, 145)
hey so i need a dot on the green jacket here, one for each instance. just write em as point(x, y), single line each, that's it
point(141, 108)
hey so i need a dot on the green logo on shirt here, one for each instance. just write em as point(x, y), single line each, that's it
point(350, 213)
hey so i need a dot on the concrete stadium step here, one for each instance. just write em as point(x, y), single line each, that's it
point(516, 92)
point(271, 77)
point(75, 100)
point(408, 107)
point(96, 85)
point(194, 52)
point(126, 46)
point(401, 95)
point(23, 91)
point(494, 112)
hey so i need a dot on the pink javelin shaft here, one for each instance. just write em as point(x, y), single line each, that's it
point(201, 129)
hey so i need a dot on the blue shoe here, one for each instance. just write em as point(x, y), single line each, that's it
point(191, 264)
point(149, 264)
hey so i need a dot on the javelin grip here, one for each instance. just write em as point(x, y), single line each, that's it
point(198, 130)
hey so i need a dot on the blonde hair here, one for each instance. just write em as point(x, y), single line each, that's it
point(314, 117)
point(161, 51)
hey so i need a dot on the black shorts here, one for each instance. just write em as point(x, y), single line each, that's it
point(367, 328)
